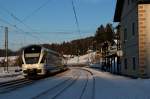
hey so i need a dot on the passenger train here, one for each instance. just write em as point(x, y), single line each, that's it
point(38, 60)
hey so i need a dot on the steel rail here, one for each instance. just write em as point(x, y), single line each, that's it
point(14, 85)
point(85, 86)
point(71, 81)
point(94, 83)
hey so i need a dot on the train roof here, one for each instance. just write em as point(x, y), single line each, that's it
point(39, 48)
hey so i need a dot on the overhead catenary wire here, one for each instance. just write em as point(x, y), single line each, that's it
point(19, 29)
point(36, 10)
point(77, 24)
point(20, 21)
point(76, 18)
point(16, 18)
point(60, 32)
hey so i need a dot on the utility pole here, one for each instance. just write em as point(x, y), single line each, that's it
point(6, 49)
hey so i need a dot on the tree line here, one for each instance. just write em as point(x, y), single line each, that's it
point(78, 46)
point(81, 46)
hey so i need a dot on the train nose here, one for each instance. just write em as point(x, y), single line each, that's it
point(32, 71)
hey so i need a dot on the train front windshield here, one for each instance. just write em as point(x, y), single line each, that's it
point(32, 54)
point(32, 59)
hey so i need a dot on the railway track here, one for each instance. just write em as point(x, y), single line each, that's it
point(93, 83)
point(13, 85)
point(58, 89)
point(83, 94)
point(85, 86)
point(19, 83)
point(67, 86)
point(88, 93)
point(83, 78)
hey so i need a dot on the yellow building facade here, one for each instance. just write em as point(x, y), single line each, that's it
point(134, 19)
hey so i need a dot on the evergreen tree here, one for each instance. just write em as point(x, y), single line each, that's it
point(100, 34)
point(109, 33)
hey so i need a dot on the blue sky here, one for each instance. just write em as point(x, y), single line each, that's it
point(54, 22)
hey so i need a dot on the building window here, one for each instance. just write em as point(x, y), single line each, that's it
point(134, 63)
point(125, 63)
point(133, 29)
point(125, 34)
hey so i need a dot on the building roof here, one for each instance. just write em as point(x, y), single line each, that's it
point(119, 8)
point(144, 1)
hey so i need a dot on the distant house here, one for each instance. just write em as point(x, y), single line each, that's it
point(134, 18)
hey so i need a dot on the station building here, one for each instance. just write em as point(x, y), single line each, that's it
point(134, 19)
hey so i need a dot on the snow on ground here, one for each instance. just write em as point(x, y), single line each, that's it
point(72, 92)
point(38, 87)
point(109, 86)
point(12, 74)
point(84, 59)
point(11, 58)
point(10, 78)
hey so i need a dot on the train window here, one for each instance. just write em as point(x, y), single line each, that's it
point(31, 60)
point(33, 49)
